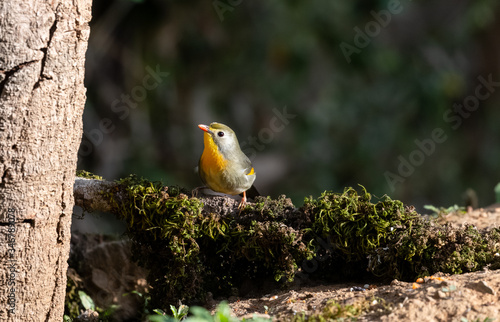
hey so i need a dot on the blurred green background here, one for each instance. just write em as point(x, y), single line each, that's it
point(362, 79)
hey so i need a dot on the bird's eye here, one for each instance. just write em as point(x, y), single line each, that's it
point(220, 134)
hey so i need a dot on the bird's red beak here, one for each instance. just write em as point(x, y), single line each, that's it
point(205, 128)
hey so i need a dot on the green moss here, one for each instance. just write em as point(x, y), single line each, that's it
point(163, 224)
point(430, 248)
point(87, 175)
point(390, 240)
point(356, 226)
point(457, 250)
point(188, 252)
point(72, 301)
point(190, 249)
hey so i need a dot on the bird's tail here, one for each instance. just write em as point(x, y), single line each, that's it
point(252, 192)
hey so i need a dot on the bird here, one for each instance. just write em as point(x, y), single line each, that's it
point(223, 167)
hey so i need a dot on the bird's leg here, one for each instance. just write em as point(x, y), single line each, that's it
point(195, 191)
point(243, 201)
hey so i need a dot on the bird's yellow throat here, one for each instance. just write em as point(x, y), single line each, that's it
point(211, 159)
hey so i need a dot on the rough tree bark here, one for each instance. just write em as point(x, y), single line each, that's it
point(42, 52)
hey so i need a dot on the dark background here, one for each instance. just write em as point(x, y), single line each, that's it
point(243, 62)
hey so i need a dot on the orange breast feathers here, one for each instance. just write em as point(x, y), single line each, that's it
point(211, 159)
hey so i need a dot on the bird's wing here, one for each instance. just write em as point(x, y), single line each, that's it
point(246, 164)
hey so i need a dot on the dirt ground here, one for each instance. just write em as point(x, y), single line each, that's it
point(467, 297)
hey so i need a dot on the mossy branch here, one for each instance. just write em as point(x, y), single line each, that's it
point(195, 245)
point(89, 194)
point(96, 194)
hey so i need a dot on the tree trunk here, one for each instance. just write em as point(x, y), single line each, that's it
point(42, 53)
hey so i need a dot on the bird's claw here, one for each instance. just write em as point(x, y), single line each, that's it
point(196, 191)
point(243, 202)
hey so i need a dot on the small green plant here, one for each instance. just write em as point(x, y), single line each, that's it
point(104, 313)
point(145, 304)
point(223, 313)
point(477, 320)
point(160, 317)
point(334, 310)
point(179, 313)
point(86, 301)
point(441, 211)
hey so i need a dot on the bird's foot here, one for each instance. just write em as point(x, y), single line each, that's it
point(195, 192)
point(243, 202)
